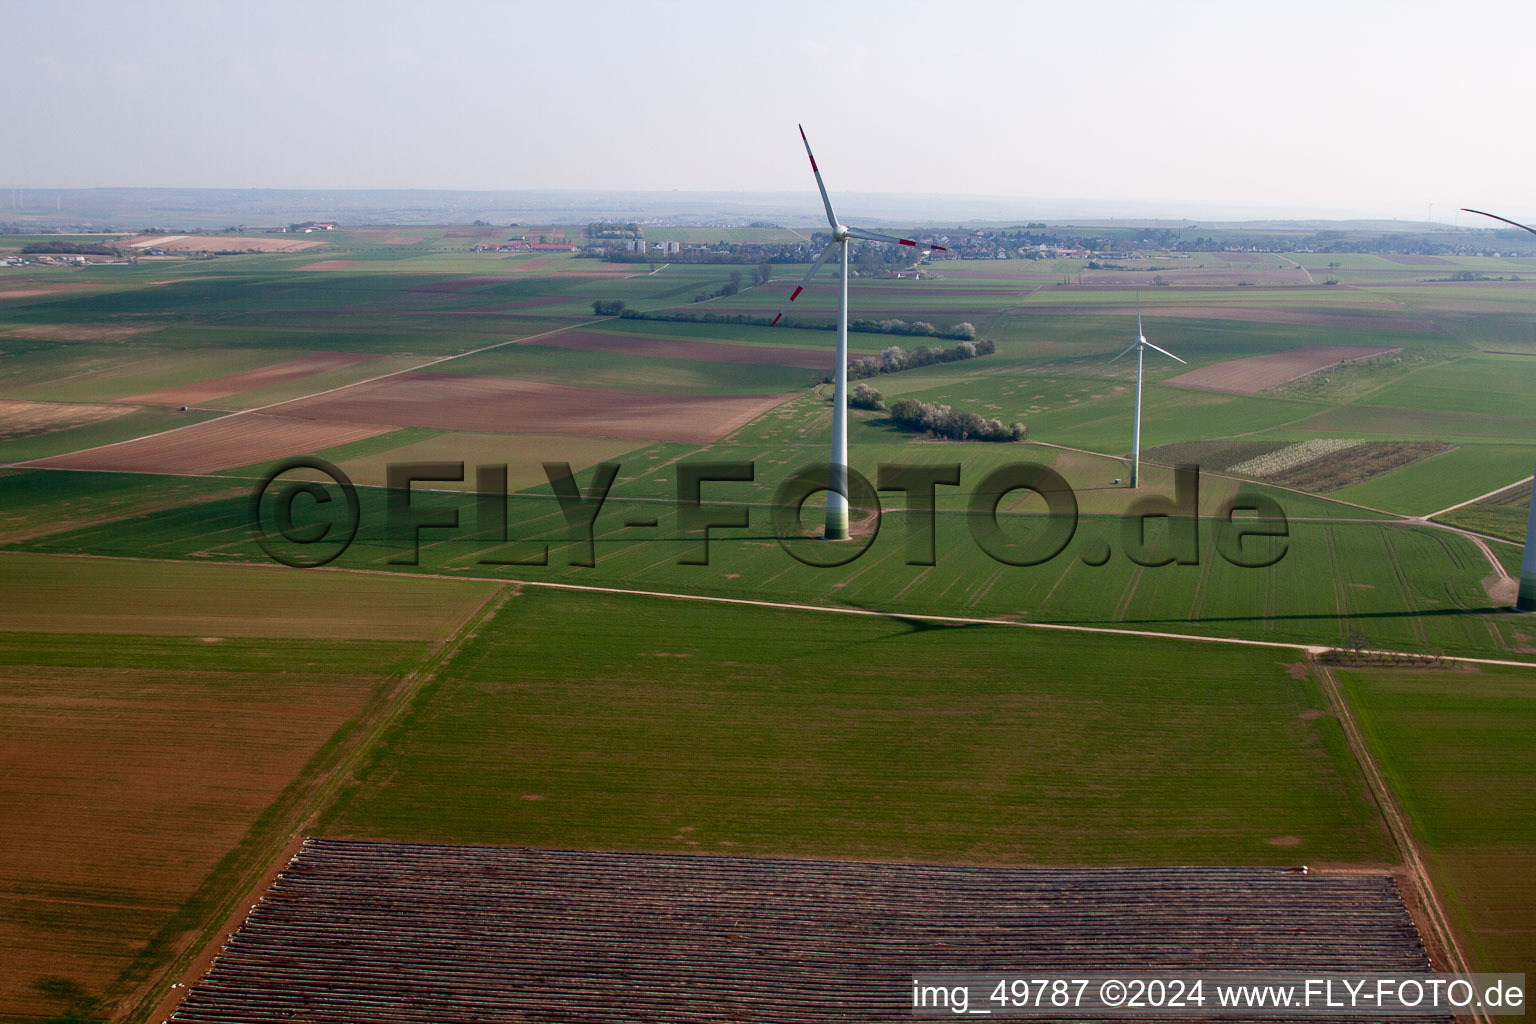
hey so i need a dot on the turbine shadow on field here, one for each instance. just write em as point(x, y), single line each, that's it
point(1318, 616)
point(914, 624)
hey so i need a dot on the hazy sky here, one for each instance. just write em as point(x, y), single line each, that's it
point(1346, 107)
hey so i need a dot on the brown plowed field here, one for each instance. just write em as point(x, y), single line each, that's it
point(217, 444)
point(19, 418)
point(234, 383)
point(1315, 317)
point(504, 406)
point(123, 789)
point(706, 351)
point(1254, 374)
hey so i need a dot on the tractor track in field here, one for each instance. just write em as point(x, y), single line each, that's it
point(1197, 603)
point(341, 387)
point(1340, 595)
point(1129, 595)
point(1415, 620)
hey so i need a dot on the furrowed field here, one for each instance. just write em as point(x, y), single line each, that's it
point(178, 708)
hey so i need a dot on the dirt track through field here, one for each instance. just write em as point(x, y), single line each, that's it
point(1256, 373)
point(225, 443)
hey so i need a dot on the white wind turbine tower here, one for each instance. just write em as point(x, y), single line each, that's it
point(1526, 600)
point(837, 501)
point(1141, 344)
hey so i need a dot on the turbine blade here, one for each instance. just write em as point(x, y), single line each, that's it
point(831, 217)
point(1495, 216)
point(1132, 345)
point(1164, 351)
point(1139, 332)
point(875, 236)
point(805, 280)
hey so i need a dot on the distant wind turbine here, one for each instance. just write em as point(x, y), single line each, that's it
point(1525, 601)
point(837, 500)
point(1141, 344)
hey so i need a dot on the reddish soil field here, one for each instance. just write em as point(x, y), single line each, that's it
point(331, 265)
point(216, 444)
point(1319, 317)
point(706, 351)
point(399, 240)
point(249, 380)
point(132, 784)
point(1247, 376)
point(505, 406)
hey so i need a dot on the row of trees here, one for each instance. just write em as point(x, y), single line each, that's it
point(760, 273)
point(943, 421)
point(608, 307)
point(895, 359)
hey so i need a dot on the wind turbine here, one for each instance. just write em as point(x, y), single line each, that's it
point(837, 495)
point(1525, 601)
point(1141, 344)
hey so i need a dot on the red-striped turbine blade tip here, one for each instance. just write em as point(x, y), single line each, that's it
point(938, 248)
point(775, 320)
point(796, 293)
point(808, 152)
point(906, 241)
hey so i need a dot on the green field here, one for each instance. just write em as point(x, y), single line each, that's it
point(718, 728)
point(459, 696)
point(1456, 749)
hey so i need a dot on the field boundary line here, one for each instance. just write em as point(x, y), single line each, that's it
point(327, 391)
point(1480, 497)
point(1062, 627)
point(1397, 825)
point(320, 795)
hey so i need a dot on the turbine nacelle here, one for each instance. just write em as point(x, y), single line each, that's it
point(841, 234)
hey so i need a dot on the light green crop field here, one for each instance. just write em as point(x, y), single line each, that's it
point(450, 697)
point(1456, 749)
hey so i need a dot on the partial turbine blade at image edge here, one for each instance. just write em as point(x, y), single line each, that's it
point(805, 280)
point(1506, 220)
